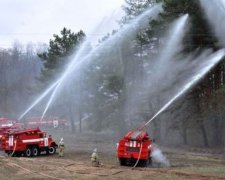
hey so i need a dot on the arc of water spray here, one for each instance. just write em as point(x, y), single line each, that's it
point(215, 12)
point(39, 99)
point(51, 99)
point(66, 73)
point(70, 68)
point(59, 81)
point(213, 60)
point(172, 46)
point(46, 92)
point(174, 39)
point(75, 65)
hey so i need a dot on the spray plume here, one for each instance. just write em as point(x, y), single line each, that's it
point(151, 12)
point(38, 100)
point(211, 61)
point(175, 36)
point(158, 157)
point(163, 69)
point(215, 12)
point(170, 49)
point(74, 64)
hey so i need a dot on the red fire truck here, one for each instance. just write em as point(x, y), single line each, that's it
point(29, 142)
point(134, 147)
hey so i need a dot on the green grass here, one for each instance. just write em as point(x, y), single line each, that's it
point(215, 170)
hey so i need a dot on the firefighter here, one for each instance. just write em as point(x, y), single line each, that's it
point(95, 158)
point(61, 148)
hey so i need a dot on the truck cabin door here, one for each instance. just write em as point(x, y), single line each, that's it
point(45, 140)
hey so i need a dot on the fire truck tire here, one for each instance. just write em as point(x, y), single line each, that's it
point(28, 152)
point(52, 150)
point(10, 153)
point(123, 162)
point(35, 151)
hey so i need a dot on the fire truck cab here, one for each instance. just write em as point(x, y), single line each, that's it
point(135, 146)
point(29, 142)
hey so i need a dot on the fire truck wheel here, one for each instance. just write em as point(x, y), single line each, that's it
point(123, 162)
point(10, 153)
point(52, 150)
point(28, 152)
point(35, 151)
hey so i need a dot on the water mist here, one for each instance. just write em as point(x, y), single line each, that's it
point(75, 64)
point(215, 12)
point(159, 158)
point(209, 63)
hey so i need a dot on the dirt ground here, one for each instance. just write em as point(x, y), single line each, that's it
point(185, 163)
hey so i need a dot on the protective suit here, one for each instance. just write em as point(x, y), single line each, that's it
point(61, 148)
point(95, 158)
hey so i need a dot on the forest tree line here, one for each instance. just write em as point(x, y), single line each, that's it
point(107, 94)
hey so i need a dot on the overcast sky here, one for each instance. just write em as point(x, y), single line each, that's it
point(38, 20)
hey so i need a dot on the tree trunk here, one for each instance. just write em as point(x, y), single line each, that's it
point(73, 130)
point(204, 134)
point(184, 134)
point(218, 141)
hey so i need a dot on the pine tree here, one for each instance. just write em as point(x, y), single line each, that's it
point(60, 47)
point(134, 8)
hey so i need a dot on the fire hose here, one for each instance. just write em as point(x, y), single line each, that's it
point(138, 157)
point(13, 149)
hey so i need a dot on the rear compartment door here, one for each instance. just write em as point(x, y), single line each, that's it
point(11, 140)
point(45, 142)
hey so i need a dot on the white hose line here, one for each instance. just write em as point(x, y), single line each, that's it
point(138, 157)
point(13, 149)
